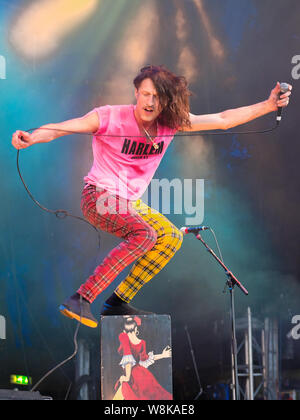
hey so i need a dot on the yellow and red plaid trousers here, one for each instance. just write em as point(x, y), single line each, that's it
point(149, 239)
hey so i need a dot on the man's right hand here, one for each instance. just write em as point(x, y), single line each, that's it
point(21, 139)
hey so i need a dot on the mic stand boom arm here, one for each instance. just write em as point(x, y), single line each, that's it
point(231, 282)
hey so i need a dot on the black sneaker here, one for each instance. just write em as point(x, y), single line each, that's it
point(78, 308)
point(123, 309)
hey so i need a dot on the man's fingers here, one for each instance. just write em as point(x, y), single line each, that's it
point(284, 99)
point(21, 139)
point(277, 88)
point(285, 95)
point(283, 102)
point(24, 136)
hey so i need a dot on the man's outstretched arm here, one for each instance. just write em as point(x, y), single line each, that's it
point(89, 123)
point(234, 117)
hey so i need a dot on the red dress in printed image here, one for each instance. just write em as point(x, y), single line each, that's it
point(142, 384)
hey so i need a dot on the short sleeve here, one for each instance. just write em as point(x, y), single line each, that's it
point(124, 348)
point(104, 113)
point(146, 359)
point(125, 351)
point(149, 361)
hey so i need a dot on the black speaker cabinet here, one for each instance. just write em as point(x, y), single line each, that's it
point(9, 394)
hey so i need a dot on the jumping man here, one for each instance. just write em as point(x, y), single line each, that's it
point(129, 142)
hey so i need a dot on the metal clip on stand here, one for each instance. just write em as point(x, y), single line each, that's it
point(231, 282)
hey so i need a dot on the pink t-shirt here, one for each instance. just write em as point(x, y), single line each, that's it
point(125, 162)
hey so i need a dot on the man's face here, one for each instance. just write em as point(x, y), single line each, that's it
point(147, 106)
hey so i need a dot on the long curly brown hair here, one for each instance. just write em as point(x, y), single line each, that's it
point(173, 95)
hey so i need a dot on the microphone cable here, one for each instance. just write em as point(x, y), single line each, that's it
point(60, 214)
point(65, 360)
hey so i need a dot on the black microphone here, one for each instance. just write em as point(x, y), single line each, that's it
point(193, 229)
point(284, 87)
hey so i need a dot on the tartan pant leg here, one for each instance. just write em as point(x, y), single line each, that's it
point(123, 221)
point(169, 240)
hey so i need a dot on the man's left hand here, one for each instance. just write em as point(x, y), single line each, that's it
point(279, 101)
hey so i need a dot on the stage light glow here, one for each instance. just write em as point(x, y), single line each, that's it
point(186, 63)
point(216, 46)
point(42, 26)
point(133, 51)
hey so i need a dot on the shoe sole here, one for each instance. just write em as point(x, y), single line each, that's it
point(85, 321)
point(119, 313)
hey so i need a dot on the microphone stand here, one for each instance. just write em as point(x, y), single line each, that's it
point(231, 283)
